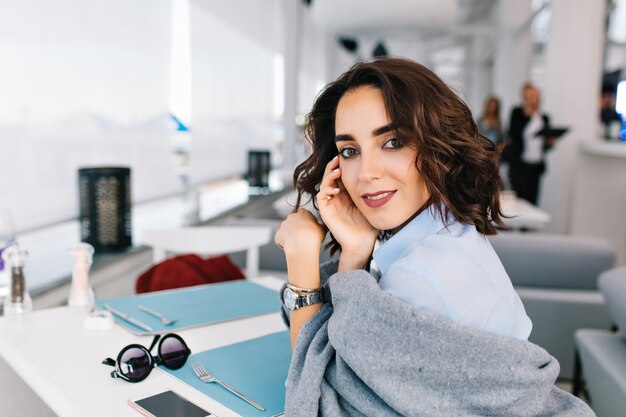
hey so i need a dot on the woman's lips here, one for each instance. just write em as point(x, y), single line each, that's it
point(377, 199)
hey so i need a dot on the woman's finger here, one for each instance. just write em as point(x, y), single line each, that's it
point(334, 174)
point(331, 166)
point(329, 192)
point(321, 198)
point(331, 179)
point(330, 184)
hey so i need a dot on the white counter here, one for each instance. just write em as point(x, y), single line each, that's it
point(599, 203)
point(609, 149)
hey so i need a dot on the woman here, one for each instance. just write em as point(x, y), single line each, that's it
point(489, 124)
point(397, 161)
point(526, 150)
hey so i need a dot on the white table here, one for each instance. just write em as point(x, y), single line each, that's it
point(524, 215)
point(61, 361)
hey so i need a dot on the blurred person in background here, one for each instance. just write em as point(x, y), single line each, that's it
point(489, 123)
point(525, 149)
point(490, 126)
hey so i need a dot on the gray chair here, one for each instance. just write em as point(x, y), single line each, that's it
point(555, 276)
point(602, 353)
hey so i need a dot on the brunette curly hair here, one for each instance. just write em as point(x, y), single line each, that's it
point(458, 165)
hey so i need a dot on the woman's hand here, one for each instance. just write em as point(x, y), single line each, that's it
point(347, 224)
point(300, 236)
point(550, 142)
point(300, 233)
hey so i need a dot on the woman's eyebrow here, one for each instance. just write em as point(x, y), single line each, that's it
point(376, 132)
point(384, 129)
point(339, 138)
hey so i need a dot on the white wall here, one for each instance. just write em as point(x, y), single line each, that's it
point(513, 54)
point(572, 88)
point(83, 82)
point(233, 48)
point(313, 62)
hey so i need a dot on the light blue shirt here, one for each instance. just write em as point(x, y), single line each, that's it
point(452, 272)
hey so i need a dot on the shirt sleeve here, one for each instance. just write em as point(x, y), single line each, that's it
point(415, 286)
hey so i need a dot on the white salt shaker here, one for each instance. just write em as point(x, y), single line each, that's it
point(81, 293)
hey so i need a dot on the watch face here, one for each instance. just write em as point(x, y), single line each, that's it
point(290, 298)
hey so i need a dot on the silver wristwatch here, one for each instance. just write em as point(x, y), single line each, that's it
point(295, 298)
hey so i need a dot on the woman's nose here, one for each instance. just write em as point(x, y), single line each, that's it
point(370, 167)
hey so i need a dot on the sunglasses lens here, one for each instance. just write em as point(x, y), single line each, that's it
point(173, 352)
point(135, 364)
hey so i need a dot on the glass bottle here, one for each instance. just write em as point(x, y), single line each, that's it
point(81, 293)
point(7, 238)
point(18, 301)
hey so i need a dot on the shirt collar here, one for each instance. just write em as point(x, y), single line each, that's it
point(423, 225)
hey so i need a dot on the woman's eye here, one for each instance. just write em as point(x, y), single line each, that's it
point(393, 143)
point(347, 153)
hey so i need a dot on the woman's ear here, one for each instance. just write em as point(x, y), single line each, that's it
point(419, 163)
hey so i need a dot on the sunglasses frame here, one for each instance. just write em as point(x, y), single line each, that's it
point(153, 361)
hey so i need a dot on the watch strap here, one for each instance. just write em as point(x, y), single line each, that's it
point(305, 300)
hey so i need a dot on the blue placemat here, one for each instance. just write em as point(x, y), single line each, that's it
point(257, 368)
point(196, 306)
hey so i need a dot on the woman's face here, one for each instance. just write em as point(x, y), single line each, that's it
point(377, 169)
point(531, 98)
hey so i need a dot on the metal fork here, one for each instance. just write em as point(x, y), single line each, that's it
point(208, 378)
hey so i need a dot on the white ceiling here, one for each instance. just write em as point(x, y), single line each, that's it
point(403, 17)
point(371, 16)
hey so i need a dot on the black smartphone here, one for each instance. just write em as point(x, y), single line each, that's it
point(167, 404)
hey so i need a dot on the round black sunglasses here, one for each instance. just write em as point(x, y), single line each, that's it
point(134, 363)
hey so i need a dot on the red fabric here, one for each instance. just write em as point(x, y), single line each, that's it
point(186, 271)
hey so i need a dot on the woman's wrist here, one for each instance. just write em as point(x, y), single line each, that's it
point(349, 265)
point(349, 261)
point(305, 248)
point(304, 271)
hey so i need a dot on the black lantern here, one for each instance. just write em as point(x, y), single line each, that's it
point(105, 207)
point(259, 165)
